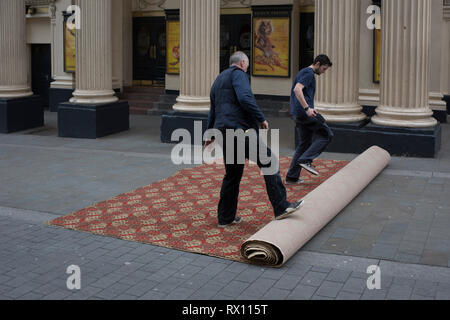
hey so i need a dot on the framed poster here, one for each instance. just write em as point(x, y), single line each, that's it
point(173, 42)
point(69, 46)
point(271, 41)
point(377, 50)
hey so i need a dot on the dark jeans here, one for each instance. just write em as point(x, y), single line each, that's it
point(230, 188)
point(314, 136)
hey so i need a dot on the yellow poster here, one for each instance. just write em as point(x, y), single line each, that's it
point(271, 46)
point(377, 57)
point(173, 47)
point(69, 49)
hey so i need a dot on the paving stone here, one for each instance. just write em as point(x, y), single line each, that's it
point(180, 294)
point(442, 294)
point(274, 274)
point(383, 251)
point(314, 279)
point(141, 288)
point(355, 285)
point(249, 275)
point(259, 287)
point(84, 293)
point(419, 297)
point(435, 258)
point(399, 292)
point(152, 295)
point(345, 233)
point(374, 294)
point(213, 268)
point(338, 275)
point(276, 294)
point(224, 277)
point(287, 282)
point(321, 269)
point(302, 292)
point(317, 297)
point(206, 292)
point(234, 288)
point(329, 289)
point(348, 296)
point(298, 270)
point(425, 288)
point(113, 291)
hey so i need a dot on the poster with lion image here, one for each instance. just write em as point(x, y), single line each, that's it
point(173, 46)
point(271, 46)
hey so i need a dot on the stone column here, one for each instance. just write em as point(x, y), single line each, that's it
point(200, 34)
point(94, 54)
point(13, 50)
point(61, 89)
point(445, 56)
point(404, 92)
point(337, 35)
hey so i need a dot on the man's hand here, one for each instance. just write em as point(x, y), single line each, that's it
point(311, 112)
point(264, 125)
point(208, 143)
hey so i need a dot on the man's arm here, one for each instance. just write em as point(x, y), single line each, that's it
point(212, 112)
point(298, 90)
point(211, 118)
point(245, 96)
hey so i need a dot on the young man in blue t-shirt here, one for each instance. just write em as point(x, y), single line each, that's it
point(313, 132)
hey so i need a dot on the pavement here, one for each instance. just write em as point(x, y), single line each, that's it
point(399, 223)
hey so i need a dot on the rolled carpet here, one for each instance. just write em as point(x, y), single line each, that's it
point(278, 241)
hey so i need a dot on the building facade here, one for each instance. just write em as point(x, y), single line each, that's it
point(392, 69)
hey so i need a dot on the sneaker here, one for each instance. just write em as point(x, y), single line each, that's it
point(294, 182)
point(290, 210)
point(237, 220)
point(308, 167)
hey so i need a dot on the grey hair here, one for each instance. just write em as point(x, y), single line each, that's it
point(237, 57)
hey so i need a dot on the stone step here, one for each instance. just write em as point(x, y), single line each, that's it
point(141, 97)
point(148, 90)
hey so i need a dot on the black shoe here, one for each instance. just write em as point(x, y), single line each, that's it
point(237, 220)
point(308, 167)
point(290, 210)
point(294, 182)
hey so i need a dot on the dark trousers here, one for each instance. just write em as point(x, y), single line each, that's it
point(314, 137)
point(230, 187)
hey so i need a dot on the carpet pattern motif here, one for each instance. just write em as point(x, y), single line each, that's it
point(180, 212)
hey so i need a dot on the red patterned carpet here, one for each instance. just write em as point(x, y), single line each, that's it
point(181, 212)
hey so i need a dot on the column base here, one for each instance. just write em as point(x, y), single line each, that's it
point(190, 104)
point(173, 120)
point(20, 114)
point(406, 142)
point(341, 113)
point(58, 96)
point(92, 121)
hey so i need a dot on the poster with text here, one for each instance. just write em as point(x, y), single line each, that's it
point(173, 46)
point(271, 46)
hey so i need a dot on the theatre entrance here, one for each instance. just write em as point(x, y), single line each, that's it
point(235, 35)
point(149, 50)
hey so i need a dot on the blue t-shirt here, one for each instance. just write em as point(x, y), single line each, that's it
point(307, 78)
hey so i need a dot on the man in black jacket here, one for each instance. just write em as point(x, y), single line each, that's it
point(233, 106)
